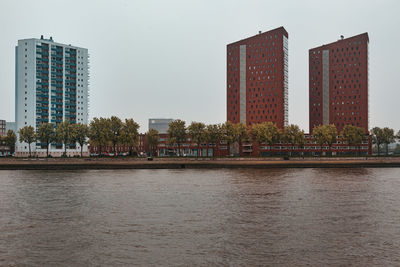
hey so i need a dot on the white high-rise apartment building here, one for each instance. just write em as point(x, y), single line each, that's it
point(51, 85)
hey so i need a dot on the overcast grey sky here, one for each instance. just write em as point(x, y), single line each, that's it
point(167, 59)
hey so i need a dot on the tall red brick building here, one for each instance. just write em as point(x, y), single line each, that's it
point(338, 83)
point(257, 79)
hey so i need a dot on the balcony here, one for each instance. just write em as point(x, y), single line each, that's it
point(42, 91)
point(42, 95)
point(57, 61)
point(57, 79)
point(43, 83)
point(42, 65)
point(41, 101)
point(56, 68)
point(45, 71)
point(70, 98)
point(42, 77)
point(57, 72)
point(54, 98)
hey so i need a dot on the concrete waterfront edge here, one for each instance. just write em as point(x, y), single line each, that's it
point(186, 164)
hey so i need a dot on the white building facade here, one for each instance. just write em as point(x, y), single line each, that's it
point(51, 85)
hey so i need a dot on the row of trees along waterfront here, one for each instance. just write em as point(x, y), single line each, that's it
point(65, 133)
point(263, 133)
point(101, 132)
point(113, 131)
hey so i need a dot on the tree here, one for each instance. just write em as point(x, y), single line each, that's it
point(239, 134)
point(213, 134)
point(81, 133)
point(318, 136)
point(257, 134)
point(266, 132)
point(177, 133)
point(227, 130)
point(152, 139)
point(388, 138)
point(293, 135)
point(27, 135)
point(196, 130)
point(114, 132)
point(46, 134)
point(353, 135)
point(325, 134)
point(130, 134)
point(271, 133)
point(65, 134)
point(98, 132)
point(377, 137)
point(10, 140)
point(330, 133)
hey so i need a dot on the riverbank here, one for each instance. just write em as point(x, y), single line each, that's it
point(192, 163)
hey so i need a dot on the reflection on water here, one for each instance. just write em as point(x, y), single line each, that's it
point(197, 217)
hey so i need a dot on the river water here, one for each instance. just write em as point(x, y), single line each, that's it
point(240, 217)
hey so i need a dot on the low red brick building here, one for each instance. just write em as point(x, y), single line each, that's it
point(222, 149)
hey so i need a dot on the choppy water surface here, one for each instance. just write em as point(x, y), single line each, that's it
point(197, 217)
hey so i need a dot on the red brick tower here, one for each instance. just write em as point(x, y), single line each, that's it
point(338, 83)
point(257, 79)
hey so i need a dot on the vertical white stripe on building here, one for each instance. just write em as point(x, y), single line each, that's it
point(285, 81)
point(242, 77)
point(368, 84)
point(325, 87)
